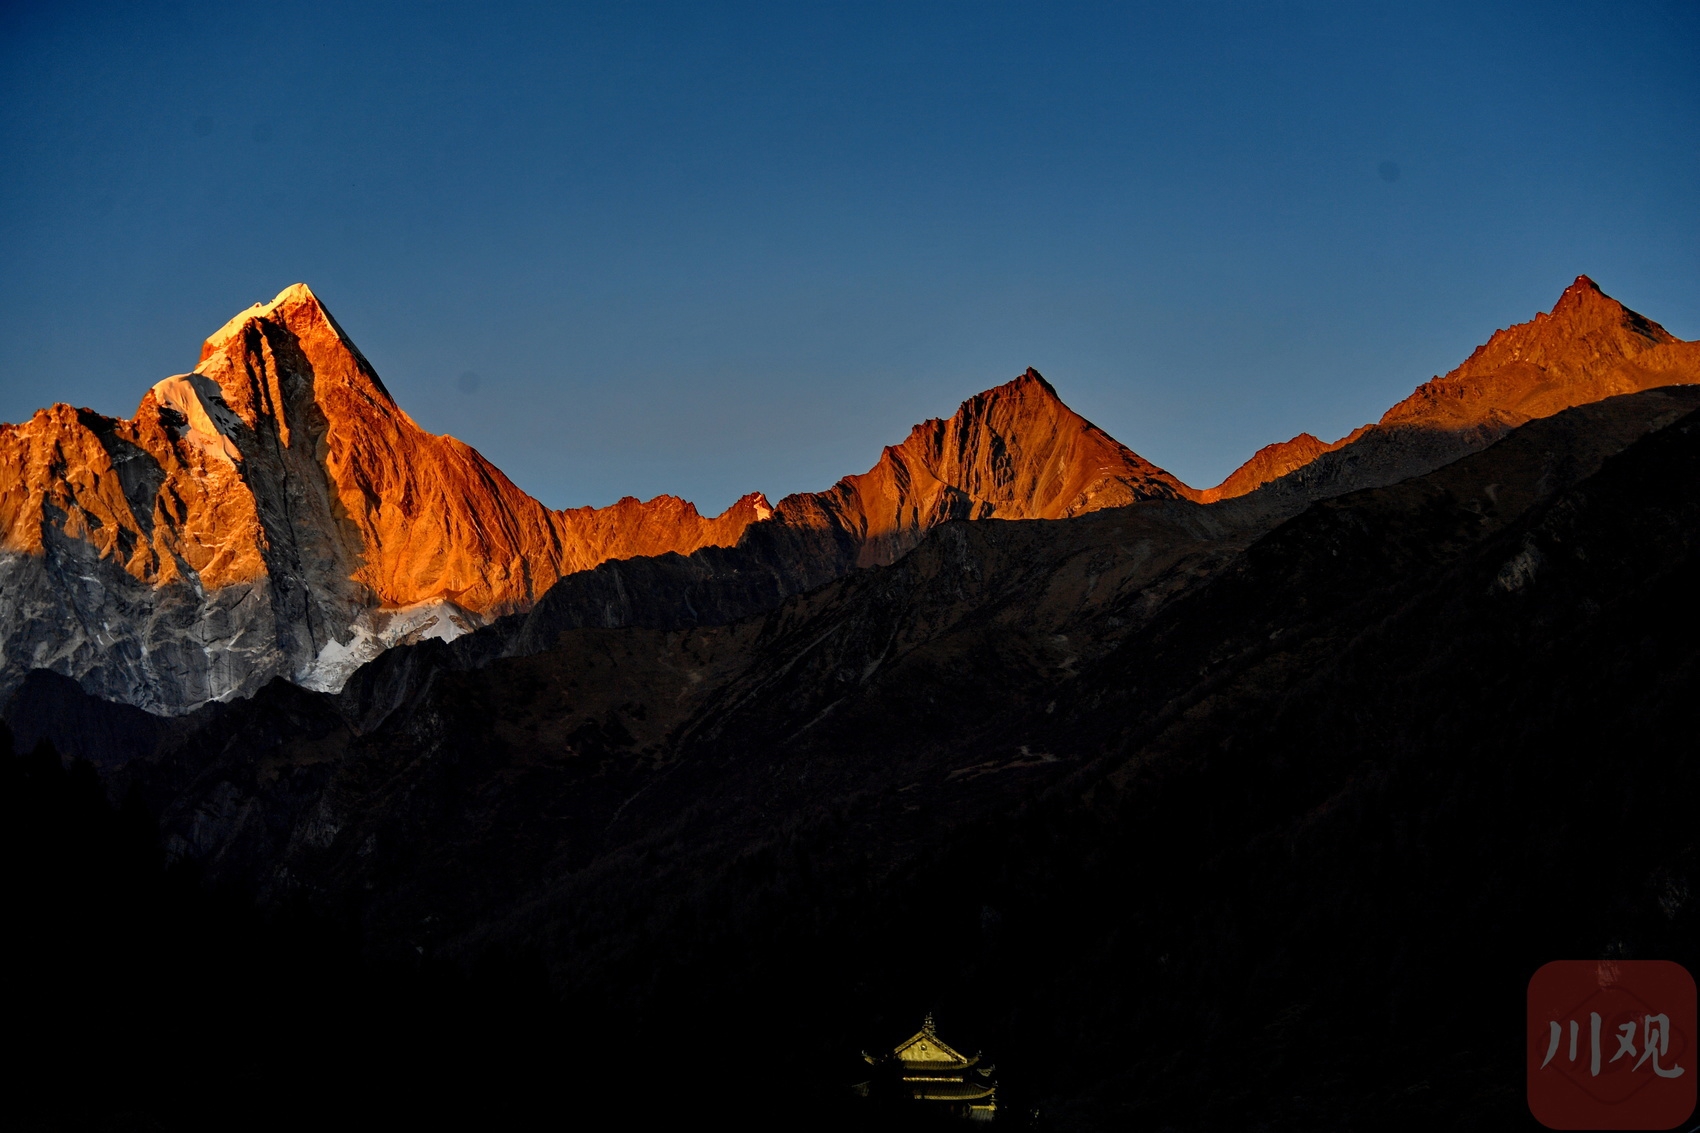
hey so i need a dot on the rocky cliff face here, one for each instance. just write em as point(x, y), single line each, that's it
point(1271, 462)
point(1013, 452)
point(1165, 777)
point(1100, 762)
point(1587, 348)
point(275, 512)
point(948, 667)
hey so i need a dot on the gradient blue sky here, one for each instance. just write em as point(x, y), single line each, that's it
point(707, 249)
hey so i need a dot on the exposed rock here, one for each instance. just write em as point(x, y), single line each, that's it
point(1271, 462)
point(275, 513)
point(1177, 783)
point(1588, 348)
point(1013, 452)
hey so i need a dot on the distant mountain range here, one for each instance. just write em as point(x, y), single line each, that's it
point(275, 512)
point(1251, 807)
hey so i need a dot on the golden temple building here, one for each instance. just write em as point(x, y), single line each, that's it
point(931, 1071)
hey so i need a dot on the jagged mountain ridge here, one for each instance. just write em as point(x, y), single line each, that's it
point(1156, 770)
point(275, 512)
point(1590, 347)
point(1012, 452)
point(1587, 348)
point(1272, 462)
point(953, 649)
point(693, 821)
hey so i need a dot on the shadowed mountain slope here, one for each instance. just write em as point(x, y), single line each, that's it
point(275, 513)
point(1589, 348)
point(1269, 805)
point(1155, 782)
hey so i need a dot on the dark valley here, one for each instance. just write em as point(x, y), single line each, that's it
point(345, 776)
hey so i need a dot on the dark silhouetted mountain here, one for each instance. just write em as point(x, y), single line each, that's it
point(1202, 796)
point(1202, 815)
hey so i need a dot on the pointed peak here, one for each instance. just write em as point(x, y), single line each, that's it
point(1560, 358)
point(1033, 379)
point(1584, 292)
point(288, 304)
point(300, 314)
point(752, 503)
point(295, 292)
point(1584, 307)
point(1029, 384)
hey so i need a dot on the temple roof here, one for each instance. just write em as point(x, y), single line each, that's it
point(954, 1091)
point(925, 1047)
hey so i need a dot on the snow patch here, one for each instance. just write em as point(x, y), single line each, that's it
point(295, 291)
point(211, 426)
point(377, 630)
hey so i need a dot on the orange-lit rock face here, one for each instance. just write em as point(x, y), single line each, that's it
point(1266, 464)
point(132, 492)
point(418, 516)
point(1013, 452)
point(275, 512)
point(1588, 348)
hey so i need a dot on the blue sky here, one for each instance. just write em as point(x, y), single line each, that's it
point(707, 249)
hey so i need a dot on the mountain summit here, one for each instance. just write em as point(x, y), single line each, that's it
point(1587, 348)
point(274, 512)
point(1013, 452)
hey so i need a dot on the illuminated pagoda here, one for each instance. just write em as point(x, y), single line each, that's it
point(931, 1071)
